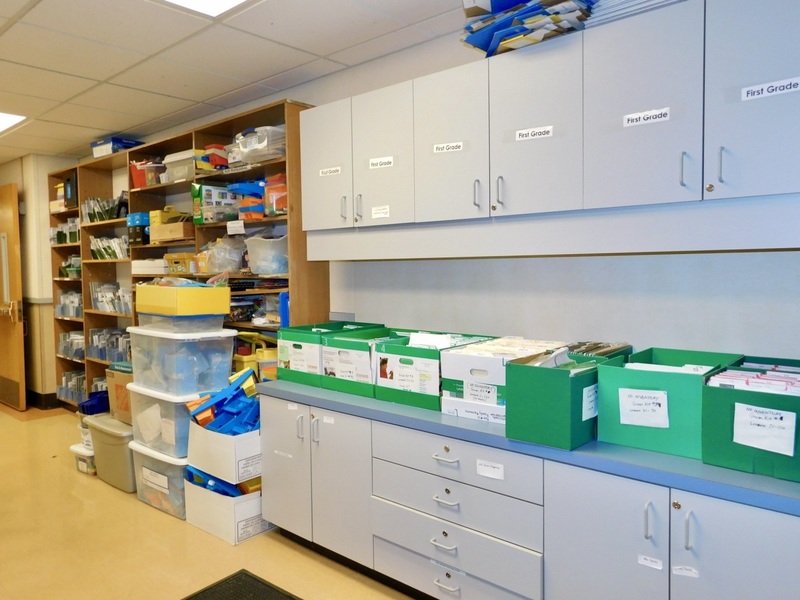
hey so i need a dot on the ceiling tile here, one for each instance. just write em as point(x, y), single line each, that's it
point(449, 22)
point(303, 74)
point(63, 131)
point(196, 111)
point(30, 45)
point(321, 27)
point(133, 24)
point(410, 12)
point(234, 53)
point(131, 101)
point(28, 106)
point(246, 94)
point(38, 144)
point(41, 83)
point(386, 44)
point(10, 7)
point(87, 116)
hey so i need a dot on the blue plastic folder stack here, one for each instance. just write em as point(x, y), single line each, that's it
point(525, 24)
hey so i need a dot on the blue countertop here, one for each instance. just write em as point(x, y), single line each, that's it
point(662, 469)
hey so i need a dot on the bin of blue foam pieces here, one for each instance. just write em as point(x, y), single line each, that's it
point(233, 410)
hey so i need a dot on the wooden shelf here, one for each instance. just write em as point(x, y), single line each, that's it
point(122, 221)
point(69, 358)
point(102, 313)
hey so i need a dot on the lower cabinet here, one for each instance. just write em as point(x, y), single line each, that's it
point(317, 476)
point(608, 537)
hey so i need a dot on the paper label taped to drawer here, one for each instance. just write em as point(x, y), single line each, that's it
point(156, 480)
point(490, 469)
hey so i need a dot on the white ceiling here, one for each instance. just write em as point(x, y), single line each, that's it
point(83, 69)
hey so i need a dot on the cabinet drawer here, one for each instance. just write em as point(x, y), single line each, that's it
point(436, 578)
point(501, 471)
point(513, 567)
point(509, 519)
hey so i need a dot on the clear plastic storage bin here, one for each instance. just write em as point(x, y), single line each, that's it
point(160, 479)
point(268, 256)
point(160, 421)
point(261, 143)
point(181, 363)
point(181, 324)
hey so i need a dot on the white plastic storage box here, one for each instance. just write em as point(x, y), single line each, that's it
point(161, 421)
point(180, 165)
point(181, 323)
point(84, 459)
point(181, 363)
point(160, 479)
point(112, 456)
point(233, 519)
point(261, 143)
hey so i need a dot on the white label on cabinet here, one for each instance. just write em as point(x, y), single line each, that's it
point(647, 117)
point(382, 162)
point(380, 212)
point(449, 147)
point(649, 561)
point(480, 392)
point(282, 453)
point(156, 480)
point(330, 171)
point(784, 86)
point(764, 428)
point(646, 408)
point(685, 571)
point(235, 227)
point(328, 420)
point(589, 402)
point(534, 133)
point(291, 406)
point(490, 469)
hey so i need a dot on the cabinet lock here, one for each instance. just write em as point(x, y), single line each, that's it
point(710, 187)
point(446, 448)
point(676, 505)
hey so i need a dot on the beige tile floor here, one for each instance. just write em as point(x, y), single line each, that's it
point(66, 535)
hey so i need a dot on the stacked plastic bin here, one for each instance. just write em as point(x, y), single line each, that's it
point(176, 359)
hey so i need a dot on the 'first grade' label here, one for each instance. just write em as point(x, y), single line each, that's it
point(647, 117)
point(449, 147)
point(765, 90)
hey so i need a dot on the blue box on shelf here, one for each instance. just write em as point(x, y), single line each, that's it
point(111, 144)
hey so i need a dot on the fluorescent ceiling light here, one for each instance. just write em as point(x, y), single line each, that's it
point(7, 120)
point(212, 8)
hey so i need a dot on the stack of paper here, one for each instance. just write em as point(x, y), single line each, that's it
point(773, 382)
point(605, 11)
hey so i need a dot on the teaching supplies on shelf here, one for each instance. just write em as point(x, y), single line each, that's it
point(108, 248)
point(109, 344)
point(110, 297)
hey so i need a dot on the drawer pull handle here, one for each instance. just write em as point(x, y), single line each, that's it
point(300, 427)
point(446, 588)
point(449, 461)
point(648, 535)
point(442, 546)
point(445, 502)
point(315, 430)
point(687, 540)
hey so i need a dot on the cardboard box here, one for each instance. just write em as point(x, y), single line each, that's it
point(730, 417)
point(171, 231)
point(551, 406)
point(478, 411)
point(653, 410)
point(118, 376)
point(233, 458)
point(183, 301)
point(409, 367)
point(300, 349)
point(233, 519)
point(478, 371)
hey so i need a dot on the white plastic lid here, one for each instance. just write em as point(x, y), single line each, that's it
point(108, 424)
point(142, 449)
point(139, 389)
point(183, 155)
point(81, 450)
point(196, 335)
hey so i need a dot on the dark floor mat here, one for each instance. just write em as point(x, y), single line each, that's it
point(242, 585)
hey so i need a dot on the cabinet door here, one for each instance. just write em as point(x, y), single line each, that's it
point(723, 550)
point(341, 451)
point(643, 116)
point(605, 537)
point(383, 156)
point(536, 128)
point(752, 133)
point(451, 144)
point(286, 465)
point(327, 176)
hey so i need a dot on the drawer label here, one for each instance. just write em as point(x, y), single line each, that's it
point(491, 470)
point(647, 117)
point(330, 171)
point(155, 480)
point(764, 428)
point(649, 561)
point(589, 402)
point(382, 162)
point(380, 212)
point(765, 90)
point(448, 147)
point(685, 571)
point(535, 133)
point(646, 408)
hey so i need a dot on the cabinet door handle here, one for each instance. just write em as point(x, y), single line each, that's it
point(683, 161)
point(446, 588)
point(687, 543)
point(315, 430)
point(449, 461)
point(299, 422)
point(442, 546)
point(499, 189)
point(358, 206)
point(343, 207)
point(475, 188)
point(719, 164)
point(648, 535)
point(445, 502)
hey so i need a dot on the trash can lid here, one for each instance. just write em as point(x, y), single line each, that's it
point(106, 423)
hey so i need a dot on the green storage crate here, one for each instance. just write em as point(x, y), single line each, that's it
point(300, 349)
point(756, 408)
point(548, 406)
point(663, 411)
point(412, 375)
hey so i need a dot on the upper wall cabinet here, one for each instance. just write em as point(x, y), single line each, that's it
point(752, 101)
point(643, 116)
point(451, 144)
point(536, 132)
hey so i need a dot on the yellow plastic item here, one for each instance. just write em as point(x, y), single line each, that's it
point(262, 348)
